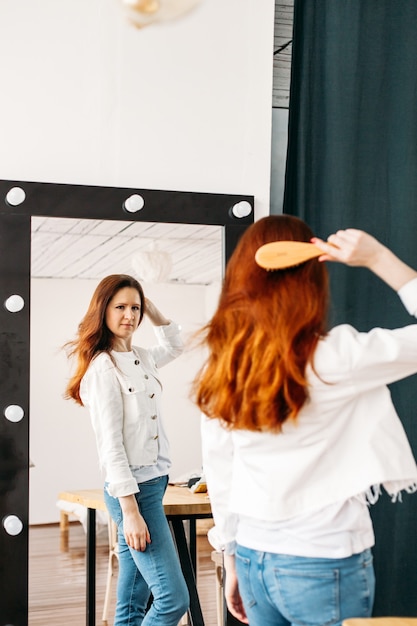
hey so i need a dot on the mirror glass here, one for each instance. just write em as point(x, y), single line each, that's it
point(68, 259)
point(88, 249)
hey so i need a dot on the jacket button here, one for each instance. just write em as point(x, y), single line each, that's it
point(130, 389)
point(137, 362)
point(153, 417)
point(146, 376)
point(156, 437)
point(151, 395)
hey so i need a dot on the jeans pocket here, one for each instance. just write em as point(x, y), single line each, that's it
point(359, 589)
point(308, 597)
point(243, 569)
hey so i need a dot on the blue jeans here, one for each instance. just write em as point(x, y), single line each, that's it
point(155, 571)
point(280, 590)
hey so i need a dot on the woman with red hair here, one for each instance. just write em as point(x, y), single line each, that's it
point(119, 384)
point(299, 431)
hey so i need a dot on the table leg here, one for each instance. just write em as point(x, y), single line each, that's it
point(193, 544)
point(63, 530)
point(187, 567)
point(91, 568)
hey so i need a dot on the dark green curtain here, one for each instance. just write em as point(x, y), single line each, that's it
point(352, 162)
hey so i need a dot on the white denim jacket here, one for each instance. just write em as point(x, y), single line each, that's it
point(124, 405)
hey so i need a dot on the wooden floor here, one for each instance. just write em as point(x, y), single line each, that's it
point(57, 579)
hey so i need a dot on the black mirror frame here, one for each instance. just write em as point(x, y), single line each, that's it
point(73, 201)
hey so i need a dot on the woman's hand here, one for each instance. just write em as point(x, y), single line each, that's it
point(134, 526)
point(352, 247)
point(136, 532)
point(231, 590)
point(155, 314)
point(357, 248)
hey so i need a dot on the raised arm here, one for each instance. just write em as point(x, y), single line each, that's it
point(154, 314)
point(357, 248)
point(170, 344)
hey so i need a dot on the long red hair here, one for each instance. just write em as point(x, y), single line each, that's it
point(93, 335)
point(263, 333)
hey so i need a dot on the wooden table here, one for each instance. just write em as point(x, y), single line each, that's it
point(180, 505)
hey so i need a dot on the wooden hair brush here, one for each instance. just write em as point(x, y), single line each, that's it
point(279, 255)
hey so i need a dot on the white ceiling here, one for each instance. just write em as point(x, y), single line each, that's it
point(91, 249)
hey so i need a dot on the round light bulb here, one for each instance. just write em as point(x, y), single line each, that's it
point(14, 413)
point(15, 196)
point(14, 303)
point(134, 203)
point(242, 209)
point(12, 525)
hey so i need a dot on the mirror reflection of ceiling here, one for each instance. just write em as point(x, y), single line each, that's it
point(91, 249)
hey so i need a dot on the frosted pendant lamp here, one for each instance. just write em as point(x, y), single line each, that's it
point(144, 12)
point(152, 266)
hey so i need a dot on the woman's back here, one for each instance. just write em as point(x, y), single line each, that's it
point(312, 476)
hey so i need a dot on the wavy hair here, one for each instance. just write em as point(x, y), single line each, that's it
point(93, 335)
point(263, 333)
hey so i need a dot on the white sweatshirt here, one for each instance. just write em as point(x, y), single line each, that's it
point(347, 439)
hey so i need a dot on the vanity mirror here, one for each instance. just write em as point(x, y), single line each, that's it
point(22, 203)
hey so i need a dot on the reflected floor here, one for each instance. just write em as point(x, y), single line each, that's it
point(57, 579)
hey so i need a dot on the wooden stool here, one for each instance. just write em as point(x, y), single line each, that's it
point(217, 557)
point(113, 553)
point(381, 621)
point(64, 530)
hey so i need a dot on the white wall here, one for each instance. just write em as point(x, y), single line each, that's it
point(62, 444)
point(90, 99)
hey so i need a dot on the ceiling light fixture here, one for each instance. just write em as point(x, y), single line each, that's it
point(152, 265)
point(144, 12)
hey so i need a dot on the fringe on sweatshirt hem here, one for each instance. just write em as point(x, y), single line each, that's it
point(394, 489)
